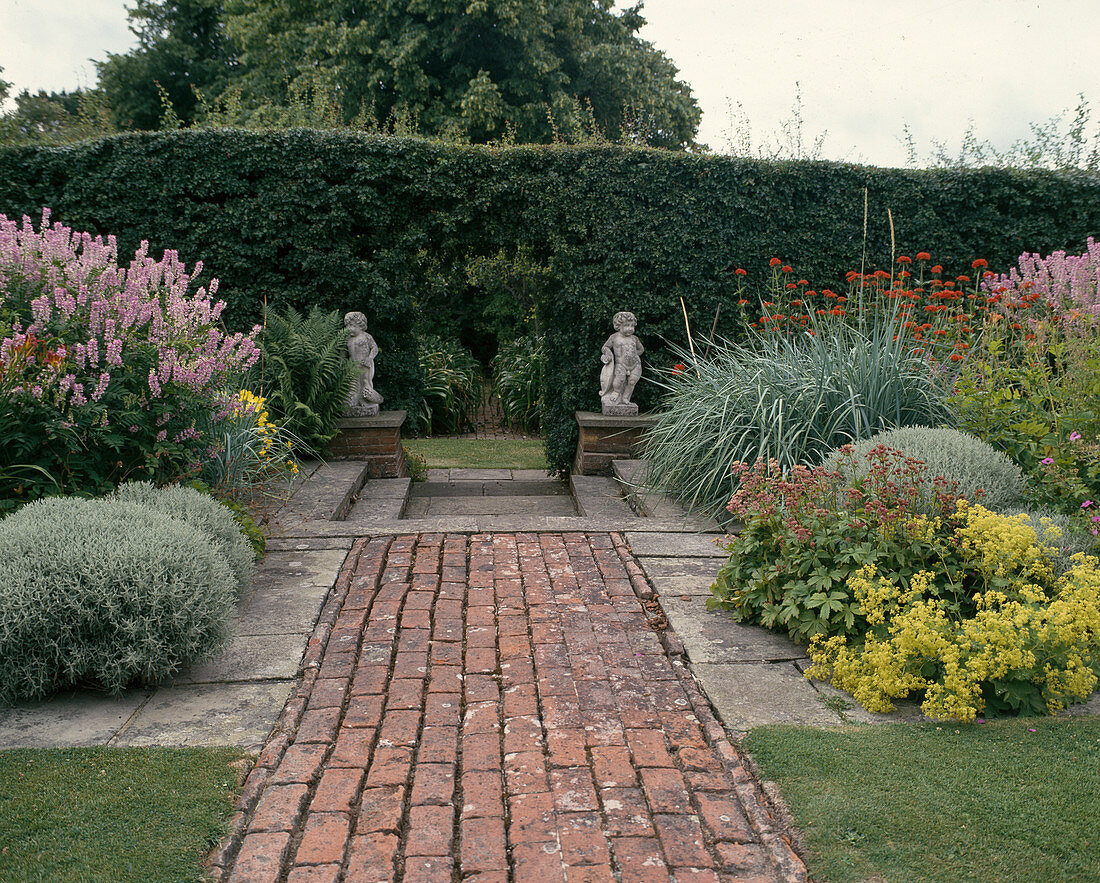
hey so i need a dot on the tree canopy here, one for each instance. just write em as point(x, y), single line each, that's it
point(476, 70)
point(181, 53)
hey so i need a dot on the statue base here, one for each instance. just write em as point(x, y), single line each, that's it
point(627, 410)
point(363, 411)
point(375, 439)
point(607, 437)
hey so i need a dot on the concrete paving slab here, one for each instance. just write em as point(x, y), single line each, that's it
point(305, 544)
point(1092, 706)
point(417, 507)
point(250, 658)
point(68, 720)
point(681, 576)
point(665, 545)
point(480, 474)
point(600, 497)
point(384, 507)
point(525, 488)
point(378, 488)
point(288, 591)
point(755, 694)
point(530, 474)
point(208, 714)
point(715, 636)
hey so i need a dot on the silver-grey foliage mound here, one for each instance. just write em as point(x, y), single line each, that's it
point(200, 511)
point(105, 594)
point(957, 456)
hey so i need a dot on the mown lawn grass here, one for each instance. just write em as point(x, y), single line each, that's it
point(113, 814)
point(1011, 800)
point(479, 453)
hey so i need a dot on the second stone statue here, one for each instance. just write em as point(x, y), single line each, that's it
point(622, 366)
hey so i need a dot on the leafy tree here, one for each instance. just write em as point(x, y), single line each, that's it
point(531, 70)
point(181, 51)
point(52, 117)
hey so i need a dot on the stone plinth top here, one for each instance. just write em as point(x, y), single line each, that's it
point(383, 420)
point(594, 420)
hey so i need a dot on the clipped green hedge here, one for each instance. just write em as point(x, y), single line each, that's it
point(393, 227)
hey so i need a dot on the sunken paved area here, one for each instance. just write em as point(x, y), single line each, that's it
point(498, 707)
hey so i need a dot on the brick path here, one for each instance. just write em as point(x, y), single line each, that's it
point(498, 708)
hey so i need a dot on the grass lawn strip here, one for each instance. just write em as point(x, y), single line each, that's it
point(1011, 800)
point(479, 453)
point(117, 814)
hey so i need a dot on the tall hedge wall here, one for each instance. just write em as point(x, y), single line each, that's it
point(390, 226)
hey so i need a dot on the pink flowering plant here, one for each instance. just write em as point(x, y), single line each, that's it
point(107, 373)
point(1033, 386)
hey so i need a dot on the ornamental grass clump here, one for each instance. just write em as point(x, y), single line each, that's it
point(954, 605)
point(452, 386)
point(106, 373)
point(790, 398)
point(203, 512)
point(517, 381)
point(105, 594)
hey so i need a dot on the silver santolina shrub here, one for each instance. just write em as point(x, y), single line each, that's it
point(200, 511)
point(105, 594)
point(954, 455)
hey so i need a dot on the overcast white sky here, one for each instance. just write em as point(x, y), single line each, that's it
point(865, 68)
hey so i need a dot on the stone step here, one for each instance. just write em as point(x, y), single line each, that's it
point(652, 503)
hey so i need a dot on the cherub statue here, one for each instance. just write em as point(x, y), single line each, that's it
point(363, 400)
point(622, 366)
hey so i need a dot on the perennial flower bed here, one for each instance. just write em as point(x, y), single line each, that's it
point(902, 588)
point(901, 584)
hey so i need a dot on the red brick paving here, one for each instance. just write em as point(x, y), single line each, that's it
point(498, 707)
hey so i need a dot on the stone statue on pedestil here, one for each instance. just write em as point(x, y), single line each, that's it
point(622, 366)
point(363, 399)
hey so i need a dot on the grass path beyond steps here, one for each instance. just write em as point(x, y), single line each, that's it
point(478, 453)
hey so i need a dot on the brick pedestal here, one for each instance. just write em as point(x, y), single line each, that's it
point(377, 440)
point(604, 438)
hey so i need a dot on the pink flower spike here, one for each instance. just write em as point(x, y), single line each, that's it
point(1073, 436)
point(1086, 504)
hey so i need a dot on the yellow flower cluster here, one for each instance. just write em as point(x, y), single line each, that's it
point(1049, 638)
point(251, 407)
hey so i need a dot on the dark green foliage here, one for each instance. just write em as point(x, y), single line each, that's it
point(304, 374)
point(517, 381)
point(203, 512)
point(105, 593)
point(390, 227)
